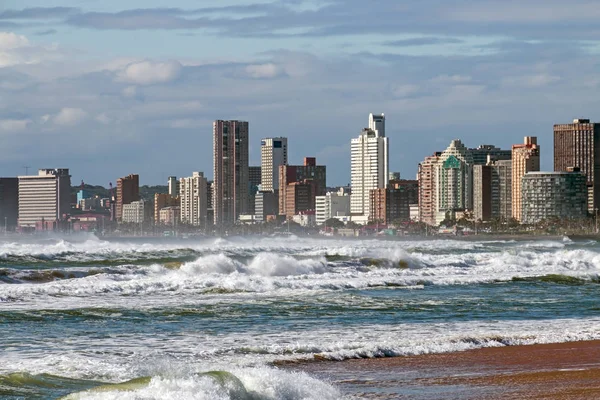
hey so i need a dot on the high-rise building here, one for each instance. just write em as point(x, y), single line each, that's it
point(173, 186)
point(525, 158)
point(9, 203)
point(454, 180)
point(231, 174)
point(299, 197)
point(193, 201)
point(369, 164)
point(331, 205)
point(554, 195)
point(163, 200)
point(482, 192)
point(128, 190)
point(482, 152)
point(309, 172)
point(578, 145)
point(273, 154)
point(427, 176)
point(377, 123)
point(255, 176)
point(44, 199)
point(169, 216)
point(501, 189)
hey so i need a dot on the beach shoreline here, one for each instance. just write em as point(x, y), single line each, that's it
point(568, 370)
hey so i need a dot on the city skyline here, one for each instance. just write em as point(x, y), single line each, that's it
point(103, 88)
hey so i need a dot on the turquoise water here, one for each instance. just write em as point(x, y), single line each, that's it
point(79, 317)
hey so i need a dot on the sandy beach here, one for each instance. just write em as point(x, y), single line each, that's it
point(550, 371)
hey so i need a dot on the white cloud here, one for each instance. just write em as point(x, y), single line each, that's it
point(10, 40)
point(148, 73)
point(14, 125)
point(262, 71)
point(69, 116)
point(531, 81)
point(129, 91)
point(103, 119)
point(451, 79)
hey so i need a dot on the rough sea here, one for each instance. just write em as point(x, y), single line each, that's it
point(147, 318)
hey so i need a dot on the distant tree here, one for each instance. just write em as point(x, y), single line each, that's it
point(333, 223)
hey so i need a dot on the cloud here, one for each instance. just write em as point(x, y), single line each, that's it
point(149, 73)
point(423, 41)
point(18, 50)
point(264, 71)
point(43, 13)
point(14, 125)
point(46, 32)
point(70, 116)
point(10, 41)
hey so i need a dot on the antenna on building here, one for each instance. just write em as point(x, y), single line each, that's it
point(26, 169)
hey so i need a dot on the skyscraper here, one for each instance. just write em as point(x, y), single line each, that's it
point(427, 177)
point(454, 179)
point(231, 175)
point(128, 190)
point(192, 199)
point(525, 158)
point(9, 203)
point(44, 199)
point(369, 165)
point(273, 153)
point(578, 145)
point(173, 186)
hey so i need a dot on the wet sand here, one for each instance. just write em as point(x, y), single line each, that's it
point(552, 371)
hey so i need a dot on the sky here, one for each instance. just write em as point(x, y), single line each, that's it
point(108, 88)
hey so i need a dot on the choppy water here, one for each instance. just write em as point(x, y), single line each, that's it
point(78, 317)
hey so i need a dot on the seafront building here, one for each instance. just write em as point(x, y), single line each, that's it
point(173, 185)
point(308, 174)
point(44, 199)
point(254, 185)
point(9, 203)
point(266, 205)
point(169, 216)
point(481, 153)
point(525, 158)
point(193, 200)
point(162, 200)
point(392, 204)
point(231, 171)
point(331, 205)
point(548, 195)
point(454, 172)
point(128, 190)
point(427, 177)
point(578, 145)
point(369, 167)
point(134, 212)
point(273, 154)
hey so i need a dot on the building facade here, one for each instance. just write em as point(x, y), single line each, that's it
point(369, 164)
point(273, 154)
point(549, 195)
point(392, 205)
point(254, 185)
point(331, 205)
point(44, 199)
point(525, 158)
point(128, 190)
point(310, 172)
point(173, 185)
point(134, 212)
point(454, 180)
point(482, 192)
point(481, 153)
point(9, 203)
point(427, 176)
point(193, 200)
point(266, 204)
point(578, 145)
point(231, 171)
point(162, 200)
point(169, 216)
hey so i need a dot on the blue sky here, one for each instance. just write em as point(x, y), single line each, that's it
point(109, 88)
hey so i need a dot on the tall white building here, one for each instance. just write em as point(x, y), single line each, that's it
point(273, 153)
point(333, 204)
point(369, 164)
point(44, 197)
point(193, 199)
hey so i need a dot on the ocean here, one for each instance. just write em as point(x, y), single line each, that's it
point(237, 317)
